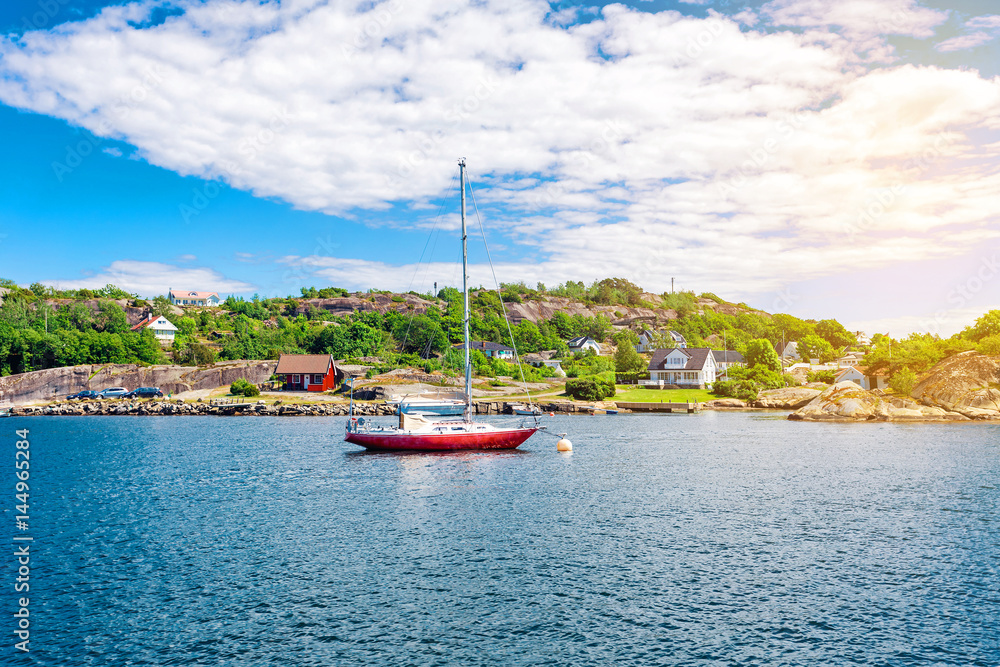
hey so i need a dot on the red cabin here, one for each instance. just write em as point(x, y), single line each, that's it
point(307, 372)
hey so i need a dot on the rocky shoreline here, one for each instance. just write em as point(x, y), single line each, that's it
point(965, 387)
point(255, 407)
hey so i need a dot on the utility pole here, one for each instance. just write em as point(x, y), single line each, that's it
point(725, 354)
point(671, 285)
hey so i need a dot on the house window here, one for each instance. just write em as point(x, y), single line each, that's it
point(296, 379)
point(317, 379)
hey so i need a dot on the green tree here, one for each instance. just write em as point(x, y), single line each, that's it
point(162, 306)
point(528, 337)
point(834, 333)
point(110, 317)
point(987, 325)
point(627, 360)
point(989, 345)
point(563, 325)
point(625, 337)
point(814, 347)
point(903, 381)
point(760, 352)
point(791, 327)
point(598, 327)
point(186, 325)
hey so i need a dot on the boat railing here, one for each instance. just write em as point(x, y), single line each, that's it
point(362, 425)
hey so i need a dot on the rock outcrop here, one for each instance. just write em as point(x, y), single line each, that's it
point(846, 401)
point(789, 398)
point(724, 404)
point(59, 382)
point(967, 383)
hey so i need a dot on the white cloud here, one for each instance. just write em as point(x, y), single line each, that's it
point(859, 19)
point(991, 22)
point(942, 323)
point(978, 31)
point(150, 279)
point(646, 145)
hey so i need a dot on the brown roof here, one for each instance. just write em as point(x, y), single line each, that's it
point(697, 357)
point(303, 363)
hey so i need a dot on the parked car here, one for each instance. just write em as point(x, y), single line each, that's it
point(144, 392)
point(86, 393)
point(112, 392)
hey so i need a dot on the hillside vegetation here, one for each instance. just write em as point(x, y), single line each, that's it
point(44, 328)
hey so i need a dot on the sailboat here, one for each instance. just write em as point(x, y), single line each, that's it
point(421, 434)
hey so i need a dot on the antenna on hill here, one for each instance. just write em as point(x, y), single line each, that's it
point(671, 285)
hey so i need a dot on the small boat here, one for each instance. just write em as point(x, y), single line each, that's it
point(5, 412)
point(418, 434)
point(520, 409)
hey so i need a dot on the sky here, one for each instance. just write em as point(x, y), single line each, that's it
point(802, 156)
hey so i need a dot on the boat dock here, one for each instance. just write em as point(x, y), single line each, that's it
point(230, 405)
point(659, 407)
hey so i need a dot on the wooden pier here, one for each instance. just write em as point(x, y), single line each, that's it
point(659, 407)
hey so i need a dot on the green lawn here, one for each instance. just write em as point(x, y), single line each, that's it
point(628, 393)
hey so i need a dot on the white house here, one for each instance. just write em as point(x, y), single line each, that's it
point(583, 343)
point(538, 361)
point(647, 340)
point(645, 343)
point(495, 350)
point(726, 358)
point(857, 375)
point(161, 327)
point(182, 298)
point(850, 359)
point(693, 367)
point(791, 351)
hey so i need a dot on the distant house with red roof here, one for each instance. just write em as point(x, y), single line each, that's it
point(307, 372)
point(161, 327)
point(184, 298)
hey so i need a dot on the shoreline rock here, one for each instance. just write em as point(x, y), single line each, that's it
point(967, 383)
point(846, 401)
point(789, 398)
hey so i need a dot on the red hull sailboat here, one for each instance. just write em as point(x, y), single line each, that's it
point(441, 436)
point(418, 434)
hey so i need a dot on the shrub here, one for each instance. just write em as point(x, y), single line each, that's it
point(592, 387)
point(903, 381)
point(744, 390)
point(582, 389)
point(244, 387)
point(746, 383)
point(820, 376)
point(989, 345)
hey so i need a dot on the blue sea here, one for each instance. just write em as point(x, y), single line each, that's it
point(707, 539)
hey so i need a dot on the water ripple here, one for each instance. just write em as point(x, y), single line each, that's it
point(712, 539)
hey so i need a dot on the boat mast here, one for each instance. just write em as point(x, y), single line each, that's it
point(465, 298)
